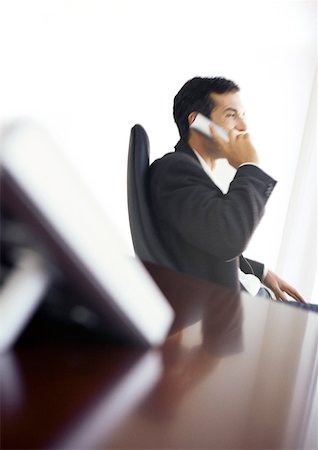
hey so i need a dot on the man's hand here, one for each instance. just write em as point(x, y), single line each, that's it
point(239, 150)
point(280, 288)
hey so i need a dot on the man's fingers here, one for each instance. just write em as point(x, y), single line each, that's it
point(232, 136)
point(280, 295)
point(293, 292)
point(296, 295)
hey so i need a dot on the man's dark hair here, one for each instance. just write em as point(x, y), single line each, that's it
point(195, 96)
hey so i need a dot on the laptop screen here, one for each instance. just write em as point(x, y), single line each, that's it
point(40, 184)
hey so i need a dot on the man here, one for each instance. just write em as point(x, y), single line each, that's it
point(204, 230)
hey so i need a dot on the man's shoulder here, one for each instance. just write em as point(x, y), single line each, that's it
point(174, 159)
point(175, 170)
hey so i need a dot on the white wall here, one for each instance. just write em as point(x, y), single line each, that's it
point(88, 70)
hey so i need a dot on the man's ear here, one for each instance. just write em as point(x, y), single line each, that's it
point(192, 116)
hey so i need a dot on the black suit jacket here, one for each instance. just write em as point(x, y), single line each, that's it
point(203, 230)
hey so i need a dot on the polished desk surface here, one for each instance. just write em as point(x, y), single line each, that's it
point(235, 373)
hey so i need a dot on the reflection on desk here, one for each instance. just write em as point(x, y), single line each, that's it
point(235, 372)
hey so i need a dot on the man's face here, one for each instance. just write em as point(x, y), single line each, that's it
point(229, 112)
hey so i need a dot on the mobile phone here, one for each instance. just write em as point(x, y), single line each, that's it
point(202, 124)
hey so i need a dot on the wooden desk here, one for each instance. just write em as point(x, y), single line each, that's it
point(235, 373)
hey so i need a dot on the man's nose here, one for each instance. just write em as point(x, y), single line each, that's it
point(241, 124)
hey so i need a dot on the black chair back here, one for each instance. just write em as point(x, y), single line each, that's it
point(144, 235)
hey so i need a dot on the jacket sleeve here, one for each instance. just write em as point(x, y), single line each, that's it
point(186, 199)
point(250, 266)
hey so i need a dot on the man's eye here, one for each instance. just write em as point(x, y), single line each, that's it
point(232, 115)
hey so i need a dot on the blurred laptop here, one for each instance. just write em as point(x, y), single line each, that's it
point(54, 229)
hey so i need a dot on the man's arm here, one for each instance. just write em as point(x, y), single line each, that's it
point(190, 203)
point(240, 151)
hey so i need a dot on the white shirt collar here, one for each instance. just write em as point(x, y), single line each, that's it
point(208, 171)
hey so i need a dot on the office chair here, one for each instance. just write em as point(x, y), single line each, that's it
point(144, 234)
